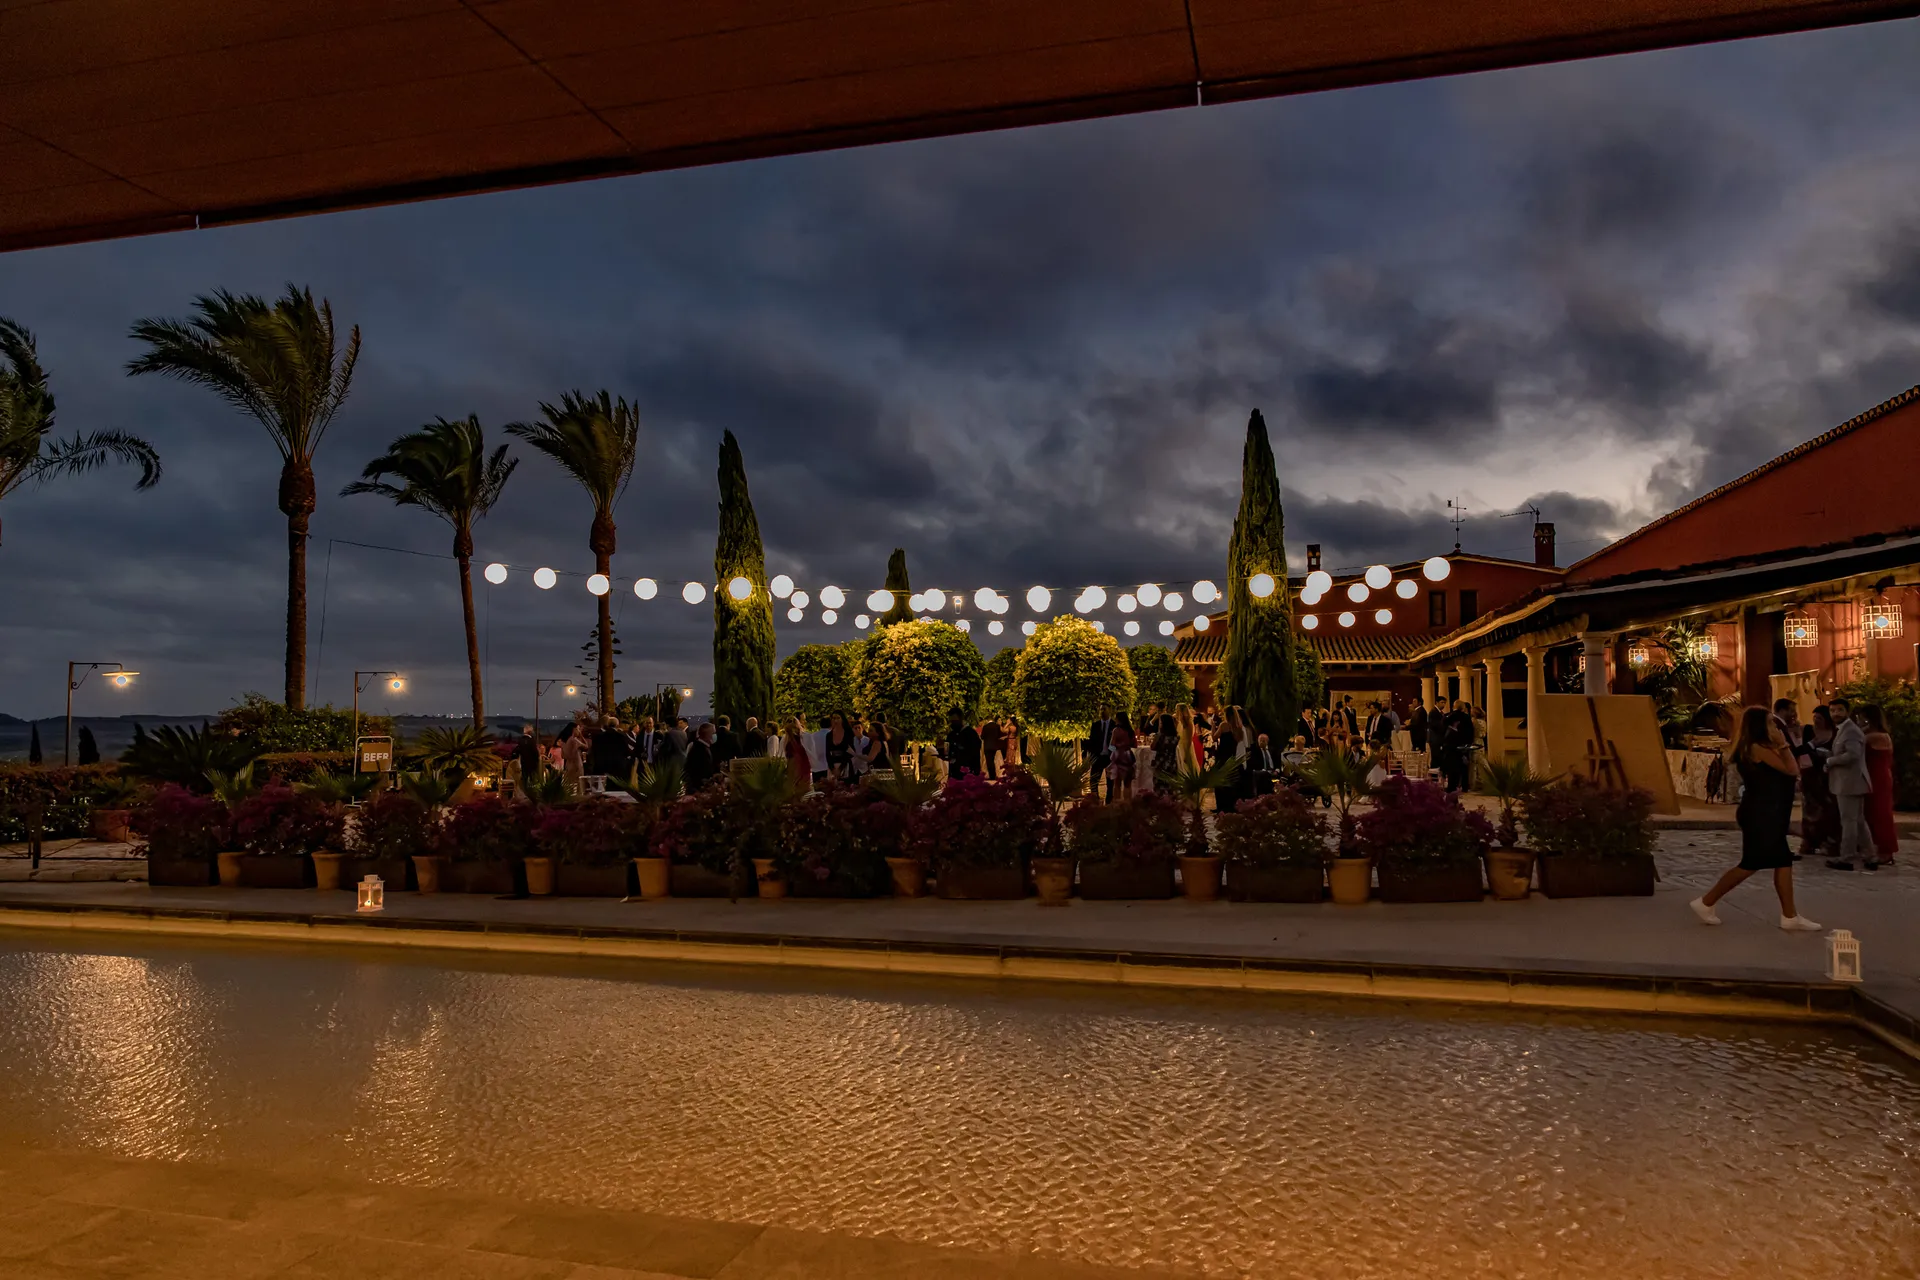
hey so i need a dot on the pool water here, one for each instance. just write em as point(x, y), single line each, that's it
point(1223, 1134)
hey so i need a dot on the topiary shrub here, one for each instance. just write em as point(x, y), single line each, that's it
point(1157, 678)
point(815, 681)
point(913, 674)
point(996, 697)
point(1065, 675)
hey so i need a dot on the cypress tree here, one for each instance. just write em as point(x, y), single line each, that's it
point(1258, 672)
point(897, 583)
point(89, 749)
point(742, 629)
point(33, 744)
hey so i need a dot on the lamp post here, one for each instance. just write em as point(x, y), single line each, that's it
point(395, 683)
point(540, 686)
point(120, 678)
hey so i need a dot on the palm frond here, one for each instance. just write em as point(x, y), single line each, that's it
point(1510, 779)
point(1191, 782)
point(463, 750)
point(906, 791)
point(185, 756)
point(652, 785)
point(595, 439)
point(339, 788)
point(1060, 771)
point(80, 454)
point(766, 783)
point(433, 790)
point(231, 789)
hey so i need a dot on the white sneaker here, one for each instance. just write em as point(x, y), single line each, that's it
point(1799, 924)
point(1706, 913)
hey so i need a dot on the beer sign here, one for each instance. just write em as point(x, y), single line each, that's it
point(376, 755)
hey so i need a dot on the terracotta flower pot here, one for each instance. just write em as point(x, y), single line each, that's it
point(426, 871)
point(1510, 873)
point(767, 875)
point(230, 861)
point(652, 875)
point(112, 825)
point(909, 877)
point(1200, 878)
point(539, 877)
point(1350, 880)
point(326, 870)
point(1053, 880)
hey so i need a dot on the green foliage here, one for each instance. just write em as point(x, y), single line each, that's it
point(653, 786)
point(348, 788)
point(27, 450)
point(1060, 769)
point(1581, 817)
point(1259, 672)
point(1278, 830)
point(87, 751)
point(815, 681)
point(1309, 681)
point(233, 789)
point(743, 682)
point(898, 584)
point(1510, 781)
point(434, 790)
point(1343, 779)
point(56, 802)
point(996, 698)
point(1157, 678)
point(461, 750)
point(1065, 675)
point(271, 726)
point(912, 674)
point(1899, 704)
point(187, 756)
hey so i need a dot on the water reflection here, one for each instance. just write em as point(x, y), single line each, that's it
point(1237, 1136)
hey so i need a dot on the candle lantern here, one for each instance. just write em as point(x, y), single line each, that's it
point(1843, 956)
point(1881, 621)
point(1801, 631)
point(373, 894)
point(1638, 656)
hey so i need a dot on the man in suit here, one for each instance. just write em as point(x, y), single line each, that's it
point(700, 768)
point(725, 745)
point(753, 740)
point(1100, 751)
point(963, 745)
point(1262, 765)
point(607, 753)
point(646, 744)
point(1850, 784)
point(1347, 716)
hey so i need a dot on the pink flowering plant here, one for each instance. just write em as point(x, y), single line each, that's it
point(177, 824)
point(1279, 830)
point(1582, 817)
point(700, 829)
point(391, 825)
point(843, 831)
point(977, 823)
point(1149, 829)
point(592, 833)
point(1420, 822)
point(278, 821)
point(487, 829)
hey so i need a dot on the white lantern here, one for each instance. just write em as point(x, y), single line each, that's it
point(833, 597)
point(1166, 626)
point(1173, 602)
point(862, 621)
point(799, 599)
point(1028, 627)
point(880, 601)
point(1357, 591)
point(1204, 592)
point(1132, 628)
point(1843, 956)
point(959, 601)
point(1406, 588)
point(1311, 622)
point(965, 624)
point(796, 615)
point(1261, 584)
point(1001, 604)
point(496, 574)
point(1881, 621)
point(829, 617)
point(1347, 619)
point(932, 601)
point(1201, 622)
point(1705, 648)
point(372, 895)
point(1638, 656)
point(1379, 576)
point(544, 578)
point(1096, 598)
point(1383, 616)
point(693, 592)
point(1127, 603)
point(739, 587)
point(599, 583)
point(1149, 594)
point(995, 627)
point(1311, 597)
point(1436, 569)
point(1038, 598)
point(781, 586)
point(1319, 582)
point(646, 588)
point(983, 599)
point(1801, 631)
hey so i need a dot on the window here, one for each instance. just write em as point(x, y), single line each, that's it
point(1469, 606)
point(1436, 608)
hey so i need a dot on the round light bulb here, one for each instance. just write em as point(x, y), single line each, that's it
point(933, 601)
point(1357, 591)
point(122, 680)
point(880, 601)
point(1311, 622)
point(1028, 627)
point(1038, 598)
point(1383, 616)
point(599, 583)
point(833, 597)
point(693, 592)
point(983, 599)
point(1378, 576)
point(1204, 592)
point(1406, 588)
point(1202, 622)
point(396, 684)
point(799, 599)
point(1099, 626)
point(544, 578)
point(1149, 594)
point(1096, 598)
point(1346, 619)
point(1319, 582)
point(1128, 603)
point(781, 586)
point(862, 621)
point(1132, 628)
point(646, 588)
point(496, 573)
point(1436, 569)
point(995, 627)
point(739, 587)
point(965, 624)
point(1173, 602)
point(1311, 597)
point(829, 617)
point(926, 617)
point(1261, 584)
point(795, 615)
point(1001, 604)
point(572, 689)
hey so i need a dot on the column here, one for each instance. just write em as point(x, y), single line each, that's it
point(1536, 727)
point(1426, 692)
point(1593, 645)
point(1496, 722)
point(1463, 675)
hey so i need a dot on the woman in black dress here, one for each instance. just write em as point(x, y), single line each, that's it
point(1767, 769)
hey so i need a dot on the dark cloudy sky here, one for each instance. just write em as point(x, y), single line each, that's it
point(1026, 357)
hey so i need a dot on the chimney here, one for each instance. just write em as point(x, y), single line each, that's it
point(1543, 544)
point(1313, 556)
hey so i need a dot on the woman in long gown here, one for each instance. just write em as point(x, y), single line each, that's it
point(1120, 760)
point(1188, 753)
point(1767, 770)
point(1886, 833)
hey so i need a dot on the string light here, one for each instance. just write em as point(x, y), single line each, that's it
point(781, 586)
point(544, 578)
point(983, 599)
point(1311, 597)
point(833, 597)
point(1173, 602)
point(965, 624)
point(1346, 619)
point(1357, 591)
point(1132, 628)
point(1202, 622)
point(693, 592)
point(1038, 598)
point(1028, 627)
point(829, 617)
point(880, 601)
point(1319, 582)
point(1204, 592)
point(796, 614)
point(1311, 622)
point(1149, 594)
point(646, 588)
point(1383, 616)
point(599, 583)
point(1166, 626)
point(1406, 588)
point(862, 621)
point(1261, 584)
point(1128, 603)
point(1096, 598)
point(799, 599)
point(1436, 569)
point(739, 587)
point(1378, 576)
point(1099, 626)
point(496, 573)
point(932, 601)
point(995, 627)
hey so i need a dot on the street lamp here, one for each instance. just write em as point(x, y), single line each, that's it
point(119, 678)
point(540, 686)
point(682, 692)
point(395, 683)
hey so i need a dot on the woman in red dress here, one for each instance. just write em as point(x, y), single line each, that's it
point(1886, 836)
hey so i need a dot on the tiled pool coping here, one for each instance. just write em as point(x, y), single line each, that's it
point(1518, 987)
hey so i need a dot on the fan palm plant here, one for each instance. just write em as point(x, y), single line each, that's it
point(434, 790)
point(1190, 784)
point(653, 786)
point(1342, 779)
point(595, 439)
point(1058, 768)
point(444, 469)
point(1510, 781)
point(27, 450)
point(341, 788)
point(280, 363)
point(186, 756)
point(467, 749)
point(232, 788)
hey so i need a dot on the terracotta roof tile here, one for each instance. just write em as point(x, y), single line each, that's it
point(1357, 646)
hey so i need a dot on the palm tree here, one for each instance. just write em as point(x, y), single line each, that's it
point(280, 364)
point(595, 440)
point(26, 423)
point(443, 468)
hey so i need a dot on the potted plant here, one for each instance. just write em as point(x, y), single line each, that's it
point(756, 794)
point(232, 790)
point(1126, 849)
point(389, 834)
point(1275, 849)
point(591, 846)
point(433, 792)
point(1199, 868)
point(696, 838)
point(484, 841)
point(653, 788)
point(1592, 841)
point(281, 829)
point(1425, 846)
point(114, 801)
point(182, 833)
point(1336, 777)
point(1509, 869)
point(1064, 775)
point(908, 795)
point(978, 835)
point(835, 842)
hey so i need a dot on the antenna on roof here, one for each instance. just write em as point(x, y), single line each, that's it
point(1528, 510)
point(1458, 518)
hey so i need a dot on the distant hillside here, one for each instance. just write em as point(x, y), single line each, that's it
point(7, 719)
